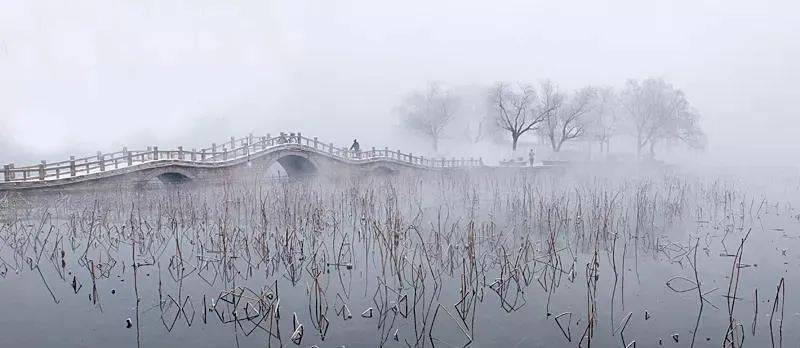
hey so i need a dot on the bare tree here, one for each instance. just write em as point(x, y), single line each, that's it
point(429, 112)
point(689, 132)
point(659, 111)
point(515, 109)
point(603, 118)
point(566, 119)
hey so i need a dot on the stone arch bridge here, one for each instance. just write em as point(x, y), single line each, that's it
point(243, 157)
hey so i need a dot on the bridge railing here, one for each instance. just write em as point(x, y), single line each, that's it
point(385, 153)
point(75, 166)
point(233, 149)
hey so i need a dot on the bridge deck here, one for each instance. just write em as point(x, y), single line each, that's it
point(228, 153)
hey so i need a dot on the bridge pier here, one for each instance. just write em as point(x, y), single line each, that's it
point(72, 166)
point(128, 156)
point(100, 161)
point(7, 173)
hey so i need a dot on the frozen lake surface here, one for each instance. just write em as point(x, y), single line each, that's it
point(513, 259)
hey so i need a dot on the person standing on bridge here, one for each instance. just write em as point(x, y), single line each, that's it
point(530, 157)
point(356, 148)
point(282, 139)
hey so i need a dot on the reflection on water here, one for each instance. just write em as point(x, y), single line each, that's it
point(441, 260)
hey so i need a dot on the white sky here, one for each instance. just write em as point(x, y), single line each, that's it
point(79, 76)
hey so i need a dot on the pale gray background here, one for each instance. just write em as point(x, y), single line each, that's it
point(81, 76)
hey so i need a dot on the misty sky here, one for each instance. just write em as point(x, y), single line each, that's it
point(79, 76)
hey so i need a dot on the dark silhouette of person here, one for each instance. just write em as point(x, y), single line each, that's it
point(356, 148)
point(530, 157)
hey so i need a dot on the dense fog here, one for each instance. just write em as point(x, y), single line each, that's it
point(83, 76)
point(636, 176)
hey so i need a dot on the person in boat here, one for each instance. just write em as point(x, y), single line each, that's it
point(356, 148)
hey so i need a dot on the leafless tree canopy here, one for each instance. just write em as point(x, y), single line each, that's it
point(651, 111)
point(657, 112)
point(566, 118)
point(429, 112)
point(472, 121)
point(602, 120)
point(518, 110)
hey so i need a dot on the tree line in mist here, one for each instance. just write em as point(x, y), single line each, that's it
point(649, 111)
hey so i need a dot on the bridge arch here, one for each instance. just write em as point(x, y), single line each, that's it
point(384, 170)
point(172, 178)
point(169, 176)
point(295, 163)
